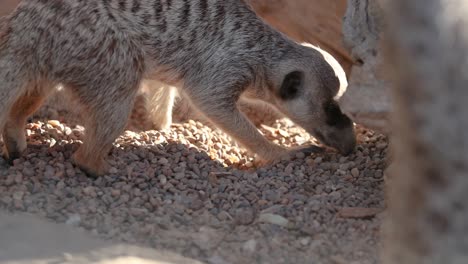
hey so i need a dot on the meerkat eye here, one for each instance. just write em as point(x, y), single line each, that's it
point(291, 84)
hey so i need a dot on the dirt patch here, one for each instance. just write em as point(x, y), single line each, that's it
point(192, 191)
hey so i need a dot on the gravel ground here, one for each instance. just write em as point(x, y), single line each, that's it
point(193, 191)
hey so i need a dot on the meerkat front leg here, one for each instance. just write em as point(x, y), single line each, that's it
point(160, 103)
point(13, 132)
point(222, 110)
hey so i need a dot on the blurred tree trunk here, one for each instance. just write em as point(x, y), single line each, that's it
point(428, 53)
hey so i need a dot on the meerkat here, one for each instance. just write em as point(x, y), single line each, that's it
point(213, 51)
point(146, 112)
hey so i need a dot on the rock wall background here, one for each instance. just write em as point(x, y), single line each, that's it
point(368, 98)
point(318, 22)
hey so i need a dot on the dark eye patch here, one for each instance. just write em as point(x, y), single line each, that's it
point(334, 116)
point(291, 84)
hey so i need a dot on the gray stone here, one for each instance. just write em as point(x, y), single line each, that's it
point(367, 99)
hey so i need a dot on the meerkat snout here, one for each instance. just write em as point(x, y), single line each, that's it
point(337, 130)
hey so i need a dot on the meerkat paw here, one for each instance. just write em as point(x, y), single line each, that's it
point(288, 154)
point(93, 168)
point(14, 151)
point(10, 156)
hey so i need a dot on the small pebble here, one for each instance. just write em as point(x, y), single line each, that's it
point(245, 216)
point(115, 193)
point(18, 195)
point(250, 246)
point(73, 220)
point(162, 179)
point(19, 178)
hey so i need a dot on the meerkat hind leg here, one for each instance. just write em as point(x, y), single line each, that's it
point(106, 119)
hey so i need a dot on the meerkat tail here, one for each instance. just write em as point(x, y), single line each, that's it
point(160, 103)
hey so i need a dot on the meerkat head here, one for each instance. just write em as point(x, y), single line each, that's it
point(306, 86)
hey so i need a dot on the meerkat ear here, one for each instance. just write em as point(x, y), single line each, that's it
point(291, 85)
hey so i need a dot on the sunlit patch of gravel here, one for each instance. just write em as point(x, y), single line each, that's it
point(193, 191)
